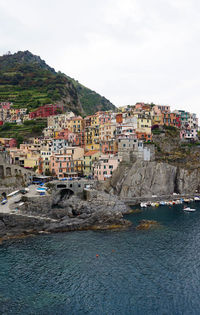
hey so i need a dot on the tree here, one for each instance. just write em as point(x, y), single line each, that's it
point(20, 140)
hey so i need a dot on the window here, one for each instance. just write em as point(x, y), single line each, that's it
point(105, 173)
point(110, 166)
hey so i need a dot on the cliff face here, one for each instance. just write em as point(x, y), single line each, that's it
point(144, 179)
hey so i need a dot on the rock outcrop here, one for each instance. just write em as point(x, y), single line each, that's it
point(144, 179)
point(55, 214)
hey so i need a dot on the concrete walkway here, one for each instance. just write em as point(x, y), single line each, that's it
point(8, 207)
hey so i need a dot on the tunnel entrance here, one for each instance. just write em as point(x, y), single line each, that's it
point(66, 193)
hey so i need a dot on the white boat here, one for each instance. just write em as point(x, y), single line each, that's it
point(143, 205)
point(196, 199)
point(189, 209)
point(162, 203)
point(178, 202)
point(4, 201)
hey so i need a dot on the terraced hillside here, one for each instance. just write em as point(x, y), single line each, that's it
point(27, 81)
point(30, 128)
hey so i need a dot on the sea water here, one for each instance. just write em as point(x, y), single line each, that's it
point(107, 272)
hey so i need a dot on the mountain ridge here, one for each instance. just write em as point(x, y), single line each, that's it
point(27, 81)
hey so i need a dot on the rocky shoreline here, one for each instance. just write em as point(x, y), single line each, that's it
point(55, 213)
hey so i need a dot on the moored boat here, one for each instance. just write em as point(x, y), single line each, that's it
point(189, 209)
point(143, 205)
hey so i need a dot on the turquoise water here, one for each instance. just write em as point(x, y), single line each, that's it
point(137, 272)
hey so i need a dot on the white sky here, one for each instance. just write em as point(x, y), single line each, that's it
point(126, 50)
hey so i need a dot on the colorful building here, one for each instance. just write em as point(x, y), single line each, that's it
point(45, 111)
point(67, 163)
point(88, 160)
point(104, 168)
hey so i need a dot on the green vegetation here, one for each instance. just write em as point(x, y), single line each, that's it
point(90, 100)
point(27, 81)
point(29, 86)
point(30, 128)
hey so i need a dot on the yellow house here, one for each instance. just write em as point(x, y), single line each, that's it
point(78, 165)
point(31, 160)
point(94, 120)
point(92, 138)
point(88, 160)
point(122, 109)
point(75, 124)
point(156, 118)
point(144, 124)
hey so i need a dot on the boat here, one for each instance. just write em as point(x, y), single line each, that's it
point(143, 205)
point(162, 203)
point(189, 209)
point(186, 200)
point(4, 201)
point(196, 198)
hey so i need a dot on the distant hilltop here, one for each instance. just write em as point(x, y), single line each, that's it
point(27, 81)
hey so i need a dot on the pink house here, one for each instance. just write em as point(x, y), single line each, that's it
point(8, 142)
point(189, 134)
point(5, 105)
point(104, 168)
point(104, 117)
point(67, 135)
point(158, 109)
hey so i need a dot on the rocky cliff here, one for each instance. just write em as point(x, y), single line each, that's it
point(58, 213)
point(144, 179)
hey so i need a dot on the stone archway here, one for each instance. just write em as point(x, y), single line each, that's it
point(66, 193)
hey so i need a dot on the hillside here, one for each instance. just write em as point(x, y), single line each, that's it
point(90, 100)
point(27, 81)
point(170, 149)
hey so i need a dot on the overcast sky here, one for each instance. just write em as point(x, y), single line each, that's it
point(126, 50)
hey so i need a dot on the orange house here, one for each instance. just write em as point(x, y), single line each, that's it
point(144, 136)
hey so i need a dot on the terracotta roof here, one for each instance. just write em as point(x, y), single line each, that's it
point(90, 153)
